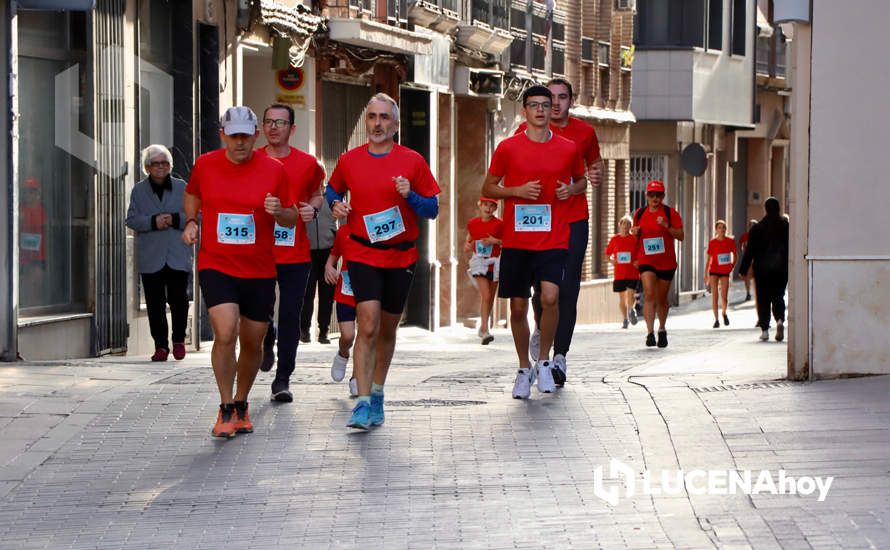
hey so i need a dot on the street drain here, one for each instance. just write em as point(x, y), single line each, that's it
point(739, 387)
point(434, 403)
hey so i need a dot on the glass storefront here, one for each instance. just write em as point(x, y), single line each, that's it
point(55, 187)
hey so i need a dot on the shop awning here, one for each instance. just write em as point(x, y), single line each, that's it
point(56, 5)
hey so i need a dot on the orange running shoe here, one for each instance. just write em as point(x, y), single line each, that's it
point(243, 424)
point(225, 422)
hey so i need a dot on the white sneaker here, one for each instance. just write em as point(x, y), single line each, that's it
point(559, 370)
point(545, 377)
point(764, 336)
point(534, 346)
point(522, 386)
point(353, 387)
point(338, 367)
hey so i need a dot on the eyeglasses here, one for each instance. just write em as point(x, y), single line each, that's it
point(276, 122)
point(654, 194)
point(535, 105)
point(158, 164)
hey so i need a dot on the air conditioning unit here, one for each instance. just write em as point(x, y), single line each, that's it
point(626, 5)
point(478, 82)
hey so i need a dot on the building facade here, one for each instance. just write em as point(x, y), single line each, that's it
point(694, 92)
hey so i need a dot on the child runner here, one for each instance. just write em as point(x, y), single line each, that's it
point(345, 301)
point(618, 253)
point(484, 241)
point(721, 260)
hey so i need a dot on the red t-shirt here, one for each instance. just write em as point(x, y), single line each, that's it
point(479, 229)
point(543, 224)
point(721, 255)
point(236, 232)
point(32, 234)
point(623, 248)
point(584, 136)
point(377, 206)
point(304, 175)
point(655, 246)
point(743, 240)
point(347, 298)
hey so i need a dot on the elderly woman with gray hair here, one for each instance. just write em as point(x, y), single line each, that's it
point(156, 215)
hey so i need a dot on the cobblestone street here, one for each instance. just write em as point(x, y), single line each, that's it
point(116, 452)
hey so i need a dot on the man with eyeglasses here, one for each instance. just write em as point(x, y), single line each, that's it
point(584, 136)
point(538, 173)
point(241, 196)
point(292, 261)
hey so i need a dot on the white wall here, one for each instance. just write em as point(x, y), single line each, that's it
point(260, 89)
point(848, 199)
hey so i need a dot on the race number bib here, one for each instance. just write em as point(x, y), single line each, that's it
point(532, 217)
point(623, 257)
point(284, 236)
point(384, 225)
point(346, 287)
point(484, 250)
point(235, 229)
point(654, 245)
point(30, 241)
point(724, 259)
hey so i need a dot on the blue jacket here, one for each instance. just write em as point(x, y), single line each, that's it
point(157, 248)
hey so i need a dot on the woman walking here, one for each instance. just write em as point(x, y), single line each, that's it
point(156, 215)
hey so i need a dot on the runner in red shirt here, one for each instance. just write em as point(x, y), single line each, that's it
point(239, 195)
point(656, 227)
point(578, 216)
point(292, 262)
point(389, 187)
point(743, 244)
point(539, 171)
point(619, 253)
point(345, 300)
point(484, 234)
point(721, 259)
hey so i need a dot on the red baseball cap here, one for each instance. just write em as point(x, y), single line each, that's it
point(655, 186)
point(494, 201)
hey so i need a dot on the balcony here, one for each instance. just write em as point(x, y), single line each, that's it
point(767, 45)
point(488, 29)
point(437, 15)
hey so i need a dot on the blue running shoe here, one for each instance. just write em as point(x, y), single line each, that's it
point(376, 415)
point(360, 416)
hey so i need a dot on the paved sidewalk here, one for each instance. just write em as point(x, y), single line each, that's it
point(116, 452)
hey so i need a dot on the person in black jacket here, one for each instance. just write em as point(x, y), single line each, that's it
point(767, 252)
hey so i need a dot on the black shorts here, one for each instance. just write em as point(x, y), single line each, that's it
point(712, 274)
point(620, 285)
point(390, 286)
point(345, 313)
point(520, 269)
point(663, 274)
point(487, 275)
point(255, 297)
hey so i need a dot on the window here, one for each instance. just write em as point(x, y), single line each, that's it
point(670, 23)
point(55, 187)
point(739, 26)
point(715, 24)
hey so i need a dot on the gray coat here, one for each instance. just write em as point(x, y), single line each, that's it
point(156, 248)
point(322, 229)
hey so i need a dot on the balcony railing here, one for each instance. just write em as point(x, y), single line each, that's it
point(494, 13)
point(397, 11)
point(765, 45)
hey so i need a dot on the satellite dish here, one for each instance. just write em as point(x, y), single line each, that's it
point(694, 159)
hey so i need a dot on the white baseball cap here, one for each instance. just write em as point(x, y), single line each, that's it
point(238, 120)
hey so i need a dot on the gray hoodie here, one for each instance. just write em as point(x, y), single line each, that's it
point(322, 229)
